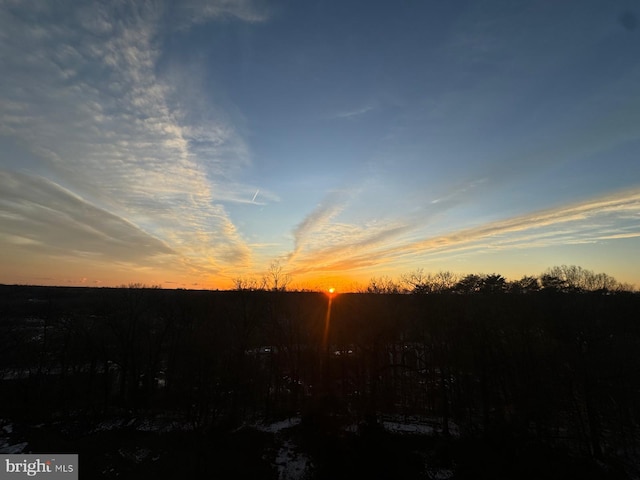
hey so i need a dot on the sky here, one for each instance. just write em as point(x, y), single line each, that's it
point(193, 143)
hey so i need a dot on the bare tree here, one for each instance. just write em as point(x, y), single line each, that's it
point(247, 283)
point(276, 278)
point(573, 277)
point(417, 281)
point(444, 281)
point(383, 284)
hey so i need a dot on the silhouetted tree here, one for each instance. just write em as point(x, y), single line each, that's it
point(471, 283)
point(552, 283)
point(419, 282)
point(248, 283)
point(444, 281)
point(575, 278)
point(493, 283)
point(383, 284)
point(526, 284)
point(276, 278)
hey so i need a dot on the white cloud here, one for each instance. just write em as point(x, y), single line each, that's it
point(192, 12)
point(40, 216)
point(318, 219)
point(351, 247)
point(81, 91)
point(355, 112)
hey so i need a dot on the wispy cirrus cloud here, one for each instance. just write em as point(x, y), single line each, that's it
point(82, 92)
point(356, 112)
point(39, 216)
point(193, 12)
point(335, 247)
point(318, 219)
point(609, 210)
point(604, 218)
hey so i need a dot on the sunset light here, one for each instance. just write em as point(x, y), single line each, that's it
point(190, 144)
point(321, 238)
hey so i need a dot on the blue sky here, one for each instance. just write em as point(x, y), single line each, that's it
point(192, 143)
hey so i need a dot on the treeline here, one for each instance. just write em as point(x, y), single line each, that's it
point(560, 369)
point(562, 278)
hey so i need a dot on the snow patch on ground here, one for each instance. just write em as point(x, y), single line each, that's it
point(158, 424)
point(397, 427)
point(6, 445)
point(137, 455)
point(163, 425)
point(277, 427)
point(441, 474)
point(292, 465)
point(16, 448)
point(290, 462)
point(417, 425)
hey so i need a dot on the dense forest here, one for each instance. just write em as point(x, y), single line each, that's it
point(507, 373)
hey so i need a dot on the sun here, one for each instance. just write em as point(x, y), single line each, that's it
point(332, 290)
